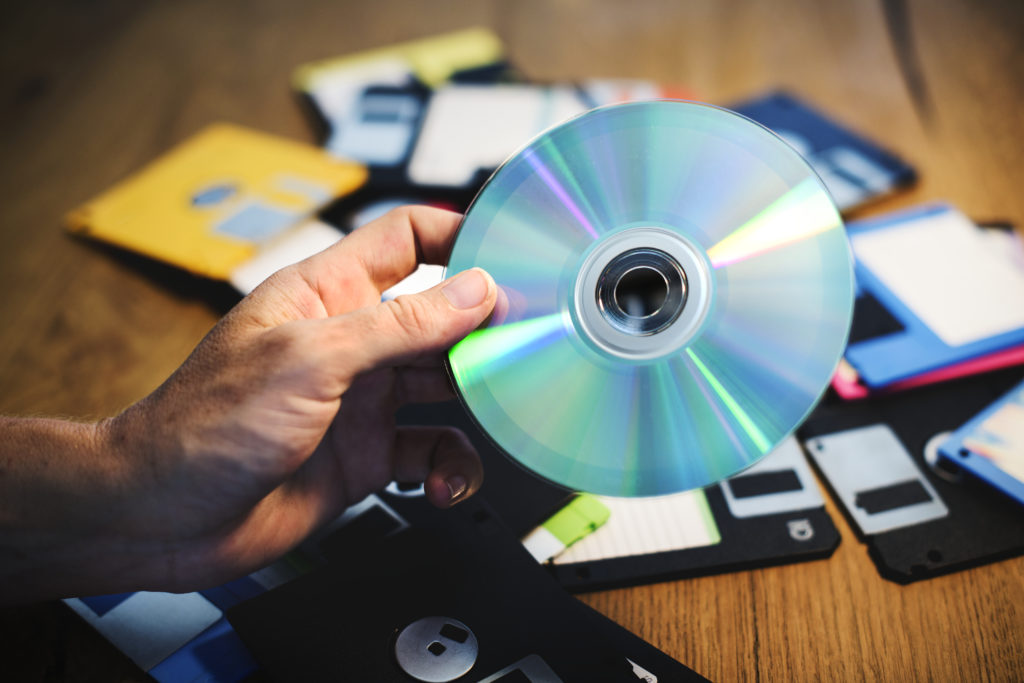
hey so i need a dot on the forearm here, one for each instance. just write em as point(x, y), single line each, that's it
point(63, 493)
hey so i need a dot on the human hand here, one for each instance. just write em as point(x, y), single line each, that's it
point(284, 414)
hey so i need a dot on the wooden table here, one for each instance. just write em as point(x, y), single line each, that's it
point(94, 90)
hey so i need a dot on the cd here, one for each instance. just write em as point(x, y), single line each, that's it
point(675, 292)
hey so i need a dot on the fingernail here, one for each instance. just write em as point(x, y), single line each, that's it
point(467, 289)
point(456, 487)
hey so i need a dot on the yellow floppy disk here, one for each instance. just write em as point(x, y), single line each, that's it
point(433, 59)
point(209, 204)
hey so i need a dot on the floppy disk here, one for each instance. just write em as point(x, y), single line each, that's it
point(415, 593)
point(871, 319)
point(918, 517)
point(770, 514)
point(152, 627)
point(854, 170)
point(182, 636)
point(380, 125)
point(469, 130)
point(220, 199)
point(991, 445)
point(949, 297)
point(371, 102)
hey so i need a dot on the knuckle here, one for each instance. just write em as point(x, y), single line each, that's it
point(414, 316)
point(453, 438)
point(400, 214)
point(455, 449)
point(282, 280)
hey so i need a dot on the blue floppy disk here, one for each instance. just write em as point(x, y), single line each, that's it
point(991, 444)
point(182, 636)
point(854, 169)
point(171, 636)
point(953, 293)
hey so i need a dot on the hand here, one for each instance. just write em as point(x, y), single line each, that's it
point(284, 414)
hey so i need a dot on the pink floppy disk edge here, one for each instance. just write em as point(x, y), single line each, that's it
point(846, 381)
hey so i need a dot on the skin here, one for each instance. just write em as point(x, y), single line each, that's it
point(281, 418)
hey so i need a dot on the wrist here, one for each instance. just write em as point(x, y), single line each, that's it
point(66, 495)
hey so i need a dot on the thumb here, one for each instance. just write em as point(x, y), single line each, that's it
point(395, 332)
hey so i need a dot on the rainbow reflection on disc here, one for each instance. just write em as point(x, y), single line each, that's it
point(676, 290)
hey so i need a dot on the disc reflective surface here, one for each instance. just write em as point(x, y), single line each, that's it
point(714, 242)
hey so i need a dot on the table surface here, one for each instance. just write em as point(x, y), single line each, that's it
point(91, 91)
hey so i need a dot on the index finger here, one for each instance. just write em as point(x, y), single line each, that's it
point(381, 253)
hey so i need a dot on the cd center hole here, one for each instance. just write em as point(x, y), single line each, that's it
point(641, 292)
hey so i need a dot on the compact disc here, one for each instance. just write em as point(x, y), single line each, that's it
point(675, 291)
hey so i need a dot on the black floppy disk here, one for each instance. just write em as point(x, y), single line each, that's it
point(415, 593)
point(881, 460)
point(770, 514)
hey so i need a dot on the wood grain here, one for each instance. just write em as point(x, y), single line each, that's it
point(91, 91)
